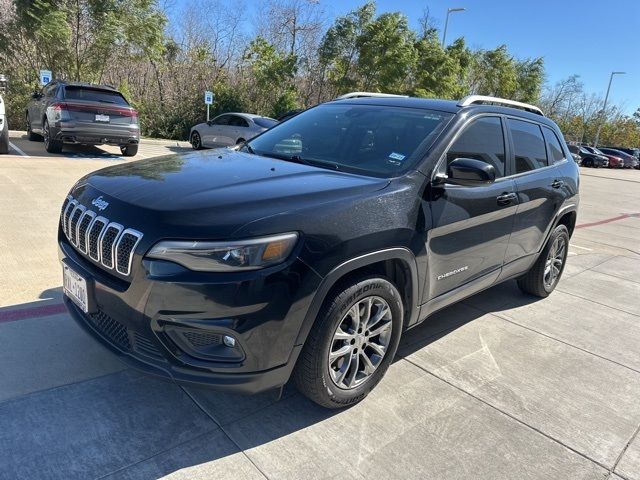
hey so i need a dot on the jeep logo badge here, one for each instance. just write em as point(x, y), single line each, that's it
point(100, 203)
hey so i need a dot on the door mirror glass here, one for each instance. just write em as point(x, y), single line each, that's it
point(469, 172)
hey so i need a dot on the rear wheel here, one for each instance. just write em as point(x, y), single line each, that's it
point(351, 344)
point(129, 150)
point(545, 274)
point(51, 145)
point(196, 141)
point(34, 137)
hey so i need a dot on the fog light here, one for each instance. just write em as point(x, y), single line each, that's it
point(229, 341)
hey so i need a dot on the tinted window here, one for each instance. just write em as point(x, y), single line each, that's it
point(528, 144)
point(573, 148)
point(94, 95)
point(482, 140)
point(265, 122)
point(372, 139)
point(222, 120)
point(236, 121)
point(555, 150)
point(50, 89)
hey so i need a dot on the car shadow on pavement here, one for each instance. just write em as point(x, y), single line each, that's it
point(122, 406)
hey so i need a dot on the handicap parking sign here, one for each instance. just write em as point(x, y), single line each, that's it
point(208, 98)
point(45, 76)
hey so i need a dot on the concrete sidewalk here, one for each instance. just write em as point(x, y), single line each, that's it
point(500, 386)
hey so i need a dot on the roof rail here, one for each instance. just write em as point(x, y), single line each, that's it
point(485, 100)
point(367, 94)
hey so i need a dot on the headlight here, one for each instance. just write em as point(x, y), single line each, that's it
point(232, 256)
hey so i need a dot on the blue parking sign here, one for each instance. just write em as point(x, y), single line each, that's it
point(208, 98)
point(45, 76)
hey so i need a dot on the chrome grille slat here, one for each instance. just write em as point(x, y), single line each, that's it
point(105, 242)
point(73, 223)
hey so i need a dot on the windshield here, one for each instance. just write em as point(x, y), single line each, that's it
point(94, 95)
point(371, 139)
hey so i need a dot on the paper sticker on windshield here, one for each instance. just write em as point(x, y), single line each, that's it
point(396, 156)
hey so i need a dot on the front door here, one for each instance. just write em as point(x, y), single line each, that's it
point(471, 225)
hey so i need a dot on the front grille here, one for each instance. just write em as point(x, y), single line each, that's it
point(112, 329)
point(105, 242)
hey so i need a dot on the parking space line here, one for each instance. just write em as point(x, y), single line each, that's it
point(18, 150)
point(581, 248)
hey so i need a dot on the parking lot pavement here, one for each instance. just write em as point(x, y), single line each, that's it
point(499, 386)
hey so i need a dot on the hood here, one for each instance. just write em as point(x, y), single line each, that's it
point(213, 193)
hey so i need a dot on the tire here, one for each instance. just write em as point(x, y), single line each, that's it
point(4, 139)
point(329, 383)
point(554, 255)
point(196, 141)
point(129, 150)
point(34, 137)
point(52, 146)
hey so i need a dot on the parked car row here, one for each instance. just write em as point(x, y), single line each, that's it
point(587, 156)
point(228, 129)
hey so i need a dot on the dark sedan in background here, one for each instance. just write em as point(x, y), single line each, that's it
point(589, 158)
point(82, 113)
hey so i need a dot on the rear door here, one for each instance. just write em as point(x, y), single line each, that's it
point(94, 109)
point(471, 224)
point(537, 185)
point(239, 129)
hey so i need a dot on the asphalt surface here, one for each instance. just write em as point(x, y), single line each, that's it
point(500, 386)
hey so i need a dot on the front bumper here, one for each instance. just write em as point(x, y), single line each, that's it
point(168, 322)
point(96, 134)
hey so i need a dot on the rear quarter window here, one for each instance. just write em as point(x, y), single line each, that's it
point(556, 154)
point(94, 95)
point(265, 122)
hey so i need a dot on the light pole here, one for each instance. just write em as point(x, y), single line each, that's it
point(604, 108)
point(446, 22)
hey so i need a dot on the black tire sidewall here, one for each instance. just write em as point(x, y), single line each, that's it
point(373, 286)
point(560, 230)
point(199, 146)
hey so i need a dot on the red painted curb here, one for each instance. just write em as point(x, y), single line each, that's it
point(34, 312)
point(608, 220)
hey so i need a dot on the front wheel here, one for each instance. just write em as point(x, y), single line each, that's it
point(129, 150)
point(351, 344)
point(545, 274)
point(51, 145)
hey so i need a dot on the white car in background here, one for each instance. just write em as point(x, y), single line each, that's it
point(228, 129)
point(4, 128)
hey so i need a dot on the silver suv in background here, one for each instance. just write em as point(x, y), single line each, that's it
point(82, 113)
point(228, 129)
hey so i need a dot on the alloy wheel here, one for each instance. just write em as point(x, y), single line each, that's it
point(360, 342)
point(45, 134)
point(195, 141)
point(555, 259)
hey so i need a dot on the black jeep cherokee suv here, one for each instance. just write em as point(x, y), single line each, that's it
point(308, 251)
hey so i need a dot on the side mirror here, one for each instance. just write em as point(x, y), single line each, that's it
point(469, 172)
point(35, 95)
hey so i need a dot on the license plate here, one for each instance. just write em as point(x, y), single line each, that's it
point(102, 118)
point(75, 287)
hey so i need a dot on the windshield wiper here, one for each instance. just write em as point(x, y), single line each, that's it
point(299, 159)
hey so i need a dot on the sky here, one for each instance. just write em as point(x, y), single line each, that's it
point(585, 37)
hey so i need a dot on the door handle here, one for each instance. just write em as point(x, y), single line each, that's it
point(557, 183)
point(506, 198)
